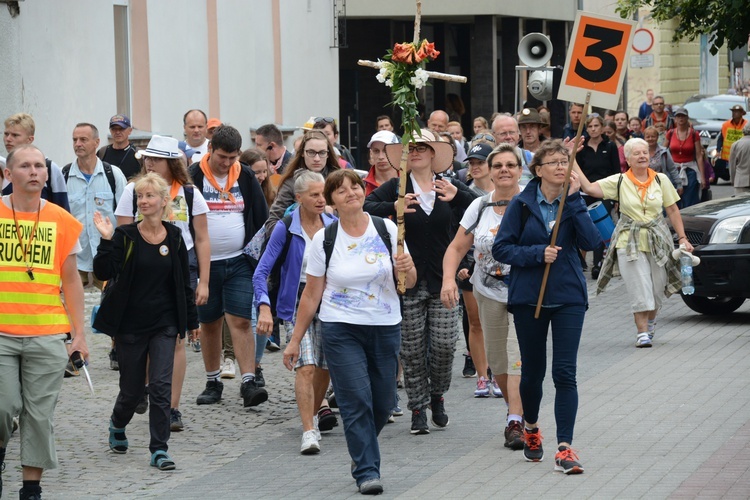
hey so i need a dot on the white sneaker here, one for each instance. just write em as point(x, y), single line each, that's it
point(227, 368)
point(643, 340)
point(496, 391)
point(310, 445)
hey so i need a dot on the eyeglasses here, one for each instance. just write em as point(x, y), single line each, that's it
point(325, 119)
point(657, 104)
point(558, 163)
point(485, 137)
point(507, 133)
point(419, 149)
point(310, 153)
point(506, 165)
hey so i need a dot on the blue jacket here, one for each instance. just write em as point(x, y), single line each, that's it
point(523, 248)
point(290, 268)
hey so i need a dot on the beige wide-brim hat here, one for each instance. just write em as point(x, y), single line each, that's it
point(442, 161)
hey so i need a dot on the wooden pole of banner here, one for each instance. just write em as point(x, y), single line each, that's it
point(405, 149)
point(566, 185)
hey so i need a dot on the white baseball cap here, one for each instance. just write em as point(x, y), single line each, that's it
point(384, 136)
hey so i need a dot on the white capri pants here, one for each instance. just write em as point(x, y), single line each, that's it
point(644, 280)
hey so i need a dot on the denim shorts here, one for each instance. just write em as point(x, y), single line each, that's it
point(230, 290)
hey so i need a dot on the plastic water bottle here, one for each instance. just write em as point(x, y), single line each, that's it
point(686, 272)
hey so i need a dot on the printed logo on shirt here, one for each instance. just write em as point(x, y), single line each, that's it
point(41, 252)
point(217, 201)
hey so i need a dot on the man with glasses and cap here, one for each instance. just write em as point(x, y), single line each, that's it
point(731, 132)
point(120, 153)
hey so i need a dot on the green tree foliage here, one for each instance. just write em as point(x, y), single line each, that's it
point(724, 21)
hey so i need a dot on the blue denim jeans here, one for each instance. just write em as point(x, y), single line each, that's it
point(567, 323)
point(363, 362)
point(691, 194)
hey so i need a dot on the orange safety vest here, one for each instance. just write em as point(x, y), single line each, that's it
point(33, 307)
point(731, 134)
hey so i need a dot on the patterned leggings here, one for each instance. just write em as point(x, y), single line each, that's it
point(429, 333)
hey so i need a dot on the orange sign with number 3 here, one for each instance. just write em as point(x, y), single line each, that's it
point(596, 59)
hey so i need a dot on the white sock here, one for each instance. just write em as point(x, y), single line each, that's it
point(512, 417)
point(651, 325)
point(247, 377)
point(213, 376)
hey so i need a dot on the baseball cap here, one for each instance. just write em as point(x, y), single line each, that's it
point(679, 110)
point(119, 121)
point(384, 136)
point(213, 123)
point(480, 152)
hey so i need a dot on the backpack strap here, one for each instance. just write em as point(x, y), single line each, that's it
point(485, 203)
point(329, 240)
point(332, 230)
point(110, 179)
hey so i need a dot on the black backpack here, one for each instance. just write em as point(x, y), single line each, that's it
point(107, 171)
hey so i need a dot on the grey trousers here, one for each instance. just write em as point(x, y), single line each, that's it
point(429, 333)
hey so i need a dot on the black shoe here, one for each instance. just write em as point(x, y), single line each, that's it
point(259, 380)
point(252, 394)
point(419, 422)
point(439, 417)
point(371, 487)
point(272, 346)
point(175, 420)
point(469, 368)
point(595, 270)
point(113, 364)
point(326, 419)
point(514, 435)
point(211, 394)
point(143, 404)
point(532, 446)
point(26, 494)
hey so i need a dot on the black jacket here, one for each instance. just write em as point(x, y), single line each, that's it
point(256, 209)
point(427, 236)
point(116, 258)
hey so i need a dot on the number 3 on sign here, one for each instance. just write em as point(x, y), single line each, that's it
point(596, 59)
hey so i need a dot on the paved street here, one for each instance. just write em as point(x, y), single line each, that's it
point(671, 421)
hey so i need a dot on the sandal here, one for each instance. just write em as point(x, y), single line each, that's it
point(161, 460)
point(118, 443)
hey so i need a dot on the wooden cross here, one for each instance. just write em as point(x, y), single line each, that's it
point(405, 148)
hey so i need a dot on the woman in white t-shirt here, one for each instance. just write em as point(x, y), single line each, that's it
point(361, 319)
point(479, 226)
point(162, 156)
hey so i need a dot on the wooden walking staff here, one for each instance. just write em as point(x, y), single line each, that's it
point(566, 185)
point(408, 139)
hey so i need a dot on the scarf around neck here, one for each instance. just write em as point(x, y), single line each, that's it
point(234, 174)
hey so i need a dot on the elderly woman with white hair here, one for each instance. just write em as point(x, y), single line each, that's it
point(642, 245)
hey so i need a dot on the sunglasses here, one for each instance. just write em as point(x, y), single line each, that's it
point(325, 119)
point(486, 137)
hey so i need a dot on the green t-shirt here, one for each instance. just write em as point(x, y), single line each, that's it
point(658, 196)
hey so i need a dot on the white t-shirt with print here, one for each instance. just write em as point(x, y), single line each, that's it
point(180, 214)
point(360, 287)
point(486, 269)
point(226, 223)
